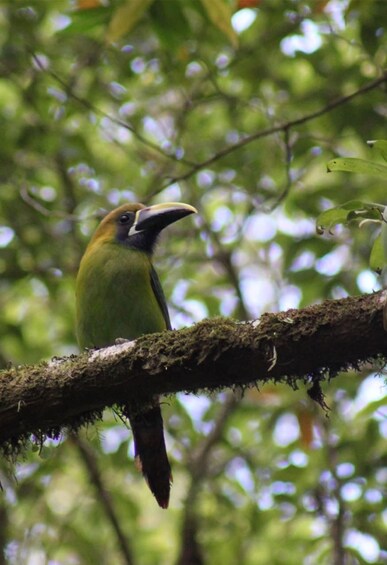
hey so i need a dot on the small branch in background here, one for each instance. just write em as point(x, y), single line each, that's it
point(200, 458)
point(190, 550)
point(69, 190)
point(36, 205)
point(337, 533)
point(198, 467)
point(195, 167)
point(329, 502)
point(278, 129)
point(31, 201)
point(288, 172)
point(103, 495)
point(28, 199)
point(336, 520)
point(224, 258)
point(3, 531)
point(84, 102)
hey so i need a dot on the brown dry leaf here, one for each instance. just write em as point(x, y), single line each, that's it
point(88, 4)
point(268, 396)
point(305, 421)
point(321, 5)
point(248, 4)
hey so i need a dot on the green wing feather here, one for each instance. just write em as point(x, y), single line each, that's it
point(159, 293)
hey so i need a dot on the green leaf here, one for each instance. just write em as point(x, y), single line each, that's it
point(343, 214)
point(377, 259)
point(220, 12)
point(380, 145)
point(178, 20)
point(373, 407)
point(353, 165)
point(330, 218)
point(84, 21)
point(125, 18)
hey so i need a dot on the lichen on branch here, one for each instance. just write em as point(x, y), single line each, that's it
point(306, 345)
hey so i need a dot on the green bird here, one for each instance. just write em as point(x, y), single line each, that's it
point(119, 295)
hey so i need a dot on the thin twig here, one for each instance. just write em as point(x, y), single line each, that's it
point(223, 256)
point(84, 102)
point(195, 167)
point(90, 463)
point(336, 520)
point(190, 551)
point(200, 458)
point(288, 181)
point(279, 128)
point(31, 201)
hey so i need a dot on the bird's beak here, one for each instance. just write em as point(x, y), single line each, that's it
point(159, 216)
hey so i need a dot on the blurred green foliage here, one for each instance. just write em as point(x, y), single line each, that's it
point(164, 112)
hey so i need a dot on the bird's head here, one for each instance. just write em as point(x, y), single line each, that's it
point(138, 226)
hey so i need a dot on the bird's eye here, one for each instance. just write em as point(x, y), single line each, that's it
point(124, 219)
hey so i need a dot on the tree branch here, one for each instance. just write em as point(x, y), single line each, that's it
point(68, 89)
point(194, 167)
point(284, 127)
point(309, 344)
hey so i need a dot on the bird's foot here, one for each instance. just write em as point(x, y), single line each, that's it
point(121, 340)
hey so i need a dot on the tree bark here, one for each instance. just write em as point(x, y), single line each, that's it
point(311, 344)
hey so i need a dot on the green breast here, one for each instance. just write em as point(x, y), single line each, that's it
point(115, 297)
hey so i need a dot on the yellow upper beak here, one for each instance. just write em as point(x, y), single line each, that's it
point(159, 216)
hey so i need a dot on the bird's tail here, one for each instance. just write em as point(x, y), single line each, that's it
point(151, 455)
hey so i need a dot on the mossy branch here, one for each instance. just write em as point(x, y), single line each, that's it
point(310, 345)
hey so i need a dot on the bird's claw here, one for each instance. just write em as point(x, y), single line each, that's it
point(121, 340)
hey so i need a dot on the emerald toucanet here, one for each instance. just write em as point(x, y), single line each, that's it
point(119, 295)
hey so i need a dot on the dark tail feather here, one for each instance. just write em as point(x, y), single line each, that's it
point(150, 452)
